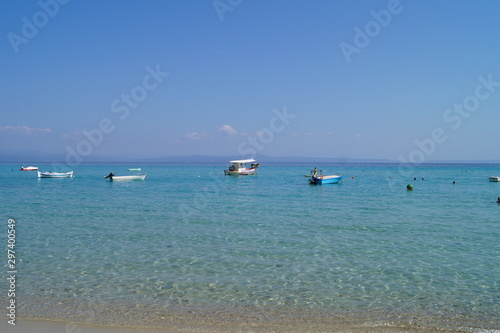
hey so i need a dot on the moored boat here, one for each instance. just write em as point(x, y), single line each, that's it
point(320, 179)
point(239, 168)
point(134, 169)
point(114, 178)
point(28, 168)
point(495, 179)
point(51, 174)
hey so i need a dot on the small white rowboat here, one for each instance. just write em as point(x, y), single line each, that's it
point(55, 174)
point(114, 178)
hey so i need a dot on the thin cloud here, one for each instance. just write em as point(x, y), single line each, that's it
point(25, 130)
point(195, 136)
point(223, 132)
point(226, 130)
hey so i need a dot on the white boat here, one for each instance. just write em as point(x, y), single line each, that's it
point(55, 174)
point(114, 178)
point(134, 169)
point(239, 167)
point(28, 168)
point(495, 179)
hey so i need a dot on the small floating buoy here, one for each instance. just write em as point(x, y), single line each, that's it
point(453, 183)
point(352, 177)
point(409, 187)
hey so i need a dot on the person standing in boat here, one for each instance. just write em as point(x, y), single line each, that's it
point(315, 172)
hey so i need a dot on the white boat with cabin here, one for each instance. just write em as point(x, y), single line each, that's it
point(239, 168)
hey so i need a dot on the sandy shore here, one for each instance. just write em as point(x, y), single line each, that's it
point(42, 326)
point(72, 316)
point(214, 325)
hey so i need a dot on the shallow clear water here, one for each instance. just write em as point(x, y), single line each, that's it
point(190, 236)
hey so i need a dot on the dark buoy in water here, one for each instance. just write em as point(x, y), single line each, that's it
point(498, 200)
point(409, 187)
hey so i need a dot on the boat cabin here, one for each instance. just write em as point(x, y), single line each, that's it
point(240, 165)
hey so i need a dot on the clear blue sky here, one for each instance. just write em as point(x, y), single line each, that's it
point(230, 63)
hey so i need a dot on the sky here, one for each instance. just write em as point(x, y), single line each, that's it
point(405, 80)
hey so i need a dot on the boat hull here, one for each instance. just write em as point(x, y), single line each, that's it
point(246, 172)
point(127, 178)
point(55, 174)
point(495, 179)
point(321, 180)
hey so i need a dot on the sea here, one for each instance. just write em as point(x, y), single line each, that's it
point(189, 242)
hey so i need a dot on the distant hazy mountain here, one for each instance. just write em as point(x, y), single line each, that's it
point(28, 156)
point(264, 158)
point(31, 156)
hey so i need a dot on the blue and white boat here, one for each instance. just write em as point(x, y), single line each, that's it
point(321, 179)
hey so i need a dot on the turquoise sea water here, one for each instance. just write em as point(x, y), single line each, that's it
point(189, 237)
